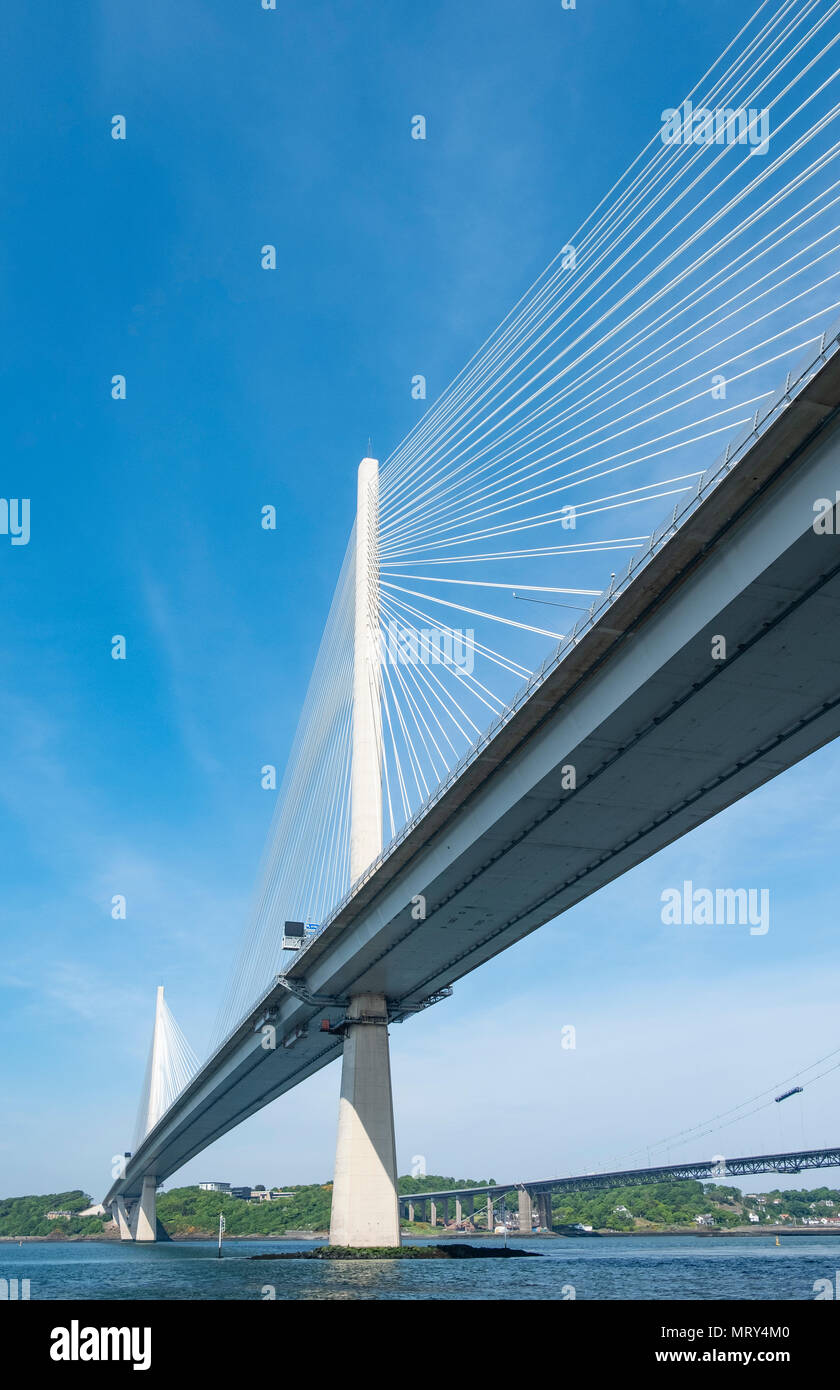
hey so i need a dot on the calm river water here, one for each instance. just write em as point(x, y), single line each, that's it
point(609, 1267)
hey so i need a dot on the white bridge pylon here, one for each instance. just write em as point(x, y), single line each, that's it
point(171, 1065)
point(364, 1201)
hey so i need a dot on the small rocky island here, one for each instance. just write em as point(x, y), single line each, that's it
point(401, 1252)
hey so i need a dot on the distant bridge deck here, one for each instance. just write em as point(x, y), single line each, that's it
point(707, 1171)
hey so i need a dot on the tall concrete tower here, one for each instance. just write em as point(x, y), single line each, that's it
point(366, 774)
point(364, 1205)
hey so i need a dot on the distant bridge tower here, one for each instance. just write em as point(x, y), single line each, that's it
point(172, 1063)
point(364, 1204)
point(156, 1078)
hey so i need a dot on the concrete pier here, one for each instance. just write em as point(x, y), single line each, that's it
point(122, 1218)
point(525, 1211)
point(364, 1205)
point(146, 1228)
point(137, 1219)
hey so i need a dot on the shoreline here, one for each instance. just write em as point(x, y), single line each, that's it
point(314, 1236)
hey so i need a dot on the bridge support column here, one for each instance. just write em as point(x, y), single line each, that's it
point(525, 1218)
point(544, 1209)
point(122, 1218)
point(411, 1211)
point(146, 1215)
point(365, 1204)
point(458, 1212)
point(490, 1222)
point(137, 1218)
point(432, 1213)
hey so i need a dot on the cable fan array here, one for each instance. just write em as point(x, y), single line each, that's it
point(667, 320)
point(171, 1065)
point(305, 867)
point(656, 334)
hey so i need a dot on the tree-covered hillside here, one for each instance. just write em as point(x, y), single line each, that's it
point(27, 1216)
point(187, 1211)
point(660, 1204)
point(434, 1182)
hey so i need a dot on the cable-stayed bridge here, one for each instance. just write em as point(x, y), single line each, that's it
point(497, 723)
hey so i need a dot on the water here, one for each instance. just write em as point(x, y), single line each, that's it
point(609, 1267)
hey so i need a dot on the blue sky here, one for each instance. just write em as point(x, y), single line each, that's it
point(246, 387)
